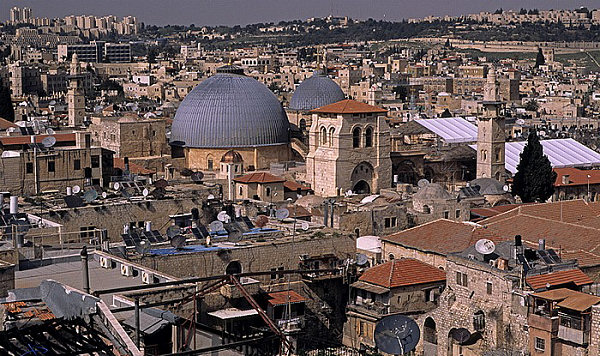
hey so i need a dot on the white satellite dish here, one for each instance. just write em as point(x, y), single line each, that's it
point(422, 182)
point(210, 197)
point(485, 246)
point(505, 188)
point(76, 189)
point(116, 185)
point(49, 141)
point(215, 226)
point(145, 192)
point(223, 217)
point(520, 122)
point(305, 225)
point(49, 131)
point(104, 195)
point(282, 213)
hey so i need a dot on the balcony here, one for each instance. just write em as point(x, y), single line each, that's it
point(544, 322)
point(576, 336)
point(370, 308)
point(291, 325)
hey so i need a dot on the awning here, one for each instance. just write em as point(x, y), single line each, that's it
point(369, 287)
point(232, 313)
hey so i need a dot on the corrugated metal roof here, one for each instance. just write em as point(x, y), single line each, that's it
point(561, 153)
point(569, 299)
point(451, 129)
point(228, 111)
point(316, 91)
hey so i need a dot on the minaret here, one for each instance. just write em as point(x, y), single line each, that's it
point(75, 94)
point(490, 135)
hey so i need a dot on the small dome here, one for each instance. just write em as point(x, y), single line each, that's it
point(316, 91)
point(488, 186)
point(432, 191)
point(230, 110)
point(232, 157)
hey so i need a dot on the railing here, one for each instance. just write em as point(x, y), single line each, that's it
point(290, 324)
point(369, 308)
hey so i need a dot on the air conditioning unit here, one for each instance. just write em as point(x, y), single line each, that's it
point(105, 262)
point(147, 277)
point(127, 270)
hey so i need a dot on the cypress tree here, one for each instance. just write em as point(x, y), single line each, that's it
point(7, 111)
point(534, 180)
point(539, 59)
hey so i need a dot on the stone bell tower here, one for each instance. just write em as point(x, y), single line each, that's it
point(490, 135)
point(75, 94)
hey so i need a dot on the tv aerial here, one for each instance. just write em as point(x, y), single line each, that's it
point(77, 189)
point(173, 231)
point(422, 182)
point(223, 217)
point(485, 246)
point(49, 141)
point(282, 213)
point(90, 195)
point(261, 221)
point(178, 241)
point(215, 226)
point(397, 335)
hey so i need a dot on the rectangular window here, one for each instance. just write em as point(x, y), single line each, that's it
point(489, 288)
point(51, 166)
point(273, 275)
point(87, 232)
point(459, 278)
point(446, 214)
point(394, 221)
point(464, 280)
point(540, 344)
point(29, 167)
point(280, 274)
point(77, 164)
point(387, 223)
point(95, 161)
point(457, 214)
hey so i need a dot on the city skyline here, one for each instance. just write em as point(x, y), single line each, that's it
point(227, 12)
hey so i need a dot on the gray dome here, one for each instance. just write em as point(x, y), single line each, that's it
point(432, 191)
point(316, 91)
point(488, 186)
point(230, 110)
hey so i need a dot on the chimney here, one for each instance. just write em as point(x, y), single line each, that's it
point(126, 160)
point(565, 179)
point(541, 244)
point(14, 204)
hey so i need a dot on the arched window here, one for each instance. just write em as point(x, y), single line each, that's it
point(268, 191)
point(234, 267)
point(426, 209)
point(356, 137)
point(369, 137)
point(331, 132)
point(391, 256)
point(323, 136)
point(302, 125)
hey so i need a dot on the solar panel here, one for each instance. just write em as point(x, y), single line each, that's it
point(158, 236)
point(23, 130)
point(136, 237)
point(29, 130)
point(554, 256)
point(150, 237)
point(203, 231)
point(198, 233)
point(545, 257)
point(128, 240)
point(248, 223)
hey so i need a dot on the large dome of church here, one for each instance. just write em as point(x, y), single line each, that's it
point(230, 110)
point(316, 91)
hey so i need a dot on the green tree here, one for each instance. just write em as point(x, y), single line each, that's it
point(534, 180)
point(539, 59)
point(7, 111)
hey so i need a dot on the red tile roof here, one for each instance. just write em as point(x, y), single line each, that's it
point(576, 177)
point(4, 124)
point(403, 272)
point(544, 281)
point(293, 186)
point(442, 236)
point(262, 177)
point(133, 167)
point(349, 106)
point(24, 140)
point(281, 298)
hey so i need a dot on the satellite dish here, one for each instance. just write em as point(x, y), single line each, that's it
point(282, 213)
point(104, 195)
point(361, 259)
point(215, 226)
point(145, 192)
point(143, 247)
point(49, 141)
point(485, 246)
point(49, 131)
point(186, 172)
point(210, 197)
point(197, 177)
point(397, 335)
point(158, 193)
point(505, 188)
point(305, 225)
point(349, 193)
point(116, 185)
point(76, 189)
point(261, 221)
point(173, 231)
point(461, 335)
point(234, 236)
point(178, 241)
point(520, 122)
point(161, 183)
point(90, 195)
point(422, 182)
point(223, 217)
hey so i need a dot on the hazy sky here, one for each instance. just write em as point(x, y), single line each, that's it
point(230, 12)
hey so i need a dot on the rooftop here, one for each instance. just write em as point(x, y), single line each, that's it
point(262, 177)
point(349, 106)
point(548, 280)
point(451, 129)
point(402, 272)
point(569, 299)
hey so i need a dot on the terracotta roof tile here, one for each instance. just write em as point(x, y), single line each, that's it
point(281, 298)
point(349, 106)
point(569, 299)
point(543, 281)
point(403, 272)
point(576, 177)
point(24, 140)
point(262, 177)
point(5, 124)
point(293, 186)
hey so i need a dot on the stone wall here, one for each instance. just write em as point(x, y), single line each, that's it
point(259, 157)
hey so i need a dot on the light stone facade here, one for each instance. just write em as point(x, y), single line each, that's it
point(334, 165)
point(490, 135)
point(254, 157)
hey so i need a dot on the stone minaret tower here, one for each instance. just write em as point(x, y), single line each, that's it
point(75, 94)
point(490, 136)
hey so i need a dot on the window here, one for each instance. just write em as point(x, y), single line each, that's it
point(268, 191)
point(446, 214)
point(479, 321)
point(29, 167)
point(87, 232)
point(273, 273)
point(210, 164)
point(51, 166)
point(387, 222)
point(461, 279)
point(369, 137)
point(77, 164)
point(391, 256)
point(331, 132)
point(241, 190)
point(323, 136)
point(489, 288)
point(394, 220)
point(457, 214)
point(281, 274)
point(540, 344)
point(356, 137)
point(95, 161)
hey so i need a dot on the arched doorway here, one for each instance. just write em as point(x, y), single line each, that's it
point(430, 337)
point(233, 267)
point(362, 178)
point(406, 172)
point(361, 187)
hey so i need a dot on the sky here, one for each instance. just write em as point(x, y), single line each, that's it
point(233, 12)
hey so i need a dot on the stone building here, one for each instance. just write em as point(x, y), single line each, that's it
point(433, 202)
point(260, 186)
point(349, 149)
point(76, 95)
